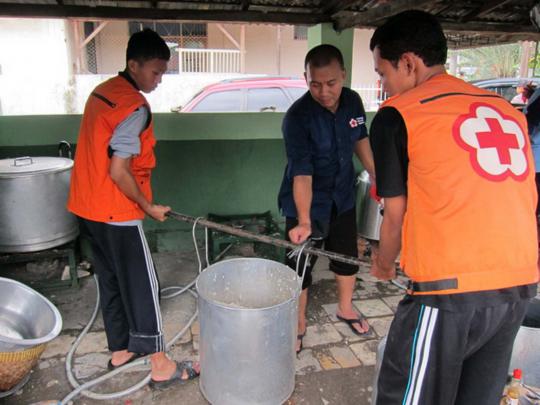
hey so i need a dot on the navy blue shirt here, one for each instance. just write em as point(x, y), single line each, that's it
point(321, 144)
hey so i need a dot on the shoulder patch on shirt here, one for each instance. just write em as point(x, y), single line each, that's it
point(354, 122)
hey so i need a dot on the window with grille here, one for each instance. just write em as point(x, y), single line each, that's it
point(90, 49)
point(177, 35)
point(300, 32)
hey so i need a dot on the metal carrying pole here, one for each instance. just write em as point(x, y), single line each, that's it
point(267, 239)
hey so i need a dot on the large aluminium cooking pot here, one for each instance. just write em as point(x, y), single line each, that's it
point(33, 214)
point(248, 316)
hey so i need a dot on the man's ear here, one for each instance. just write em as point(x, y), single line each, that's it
point(409, 62)
point(132, 65)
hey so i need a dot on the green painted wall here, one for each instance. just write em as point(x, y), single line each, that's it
point(325, 34)
point(218, 163)
point(51, 129)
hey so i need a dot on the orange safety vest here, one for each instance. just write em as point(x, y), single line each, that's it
point(93, 195)
point(471, 196)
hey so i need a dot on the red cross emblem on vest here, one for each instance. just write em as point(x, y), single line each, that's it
point(496, 142)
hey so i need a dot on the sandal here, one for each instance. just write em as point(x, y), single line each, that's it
point(186, 366)
point(300, 337)
point(135, 356)
point(351, 323)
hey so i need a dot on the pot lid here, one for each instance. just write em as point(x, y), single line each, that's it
point(28, 165)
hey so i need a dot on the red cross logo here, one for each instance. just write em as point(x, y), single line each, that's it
point(496, 142)
point(498, 139)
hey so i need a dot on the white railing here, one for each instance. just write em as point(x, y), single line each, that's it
point(372, 96)
point(208, 60)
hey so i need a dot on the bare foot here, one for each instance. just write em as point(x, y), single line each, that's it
point(121, 357)
point(164, 368)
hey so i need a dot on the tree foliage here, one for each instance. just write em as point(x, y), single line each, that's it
point(492, 61)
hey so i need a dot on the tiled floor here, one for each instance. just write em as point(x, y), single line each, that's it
point(335, 367)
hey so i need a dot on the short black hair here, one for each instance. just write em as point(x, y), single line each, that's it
point(323, 55)
point(411, 31)
point(145, 45)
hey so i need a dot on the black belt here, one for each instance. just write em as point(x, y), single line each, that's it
point(435, 285)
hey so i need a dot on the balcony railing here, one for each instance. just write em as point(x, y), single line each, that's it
point(209, 60)
point(372, 96)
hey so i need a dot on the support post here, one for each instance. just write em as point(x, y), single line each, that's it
point(325, 34)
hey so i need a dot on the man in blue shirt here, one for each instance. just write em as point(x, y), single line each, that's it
point(322, 130)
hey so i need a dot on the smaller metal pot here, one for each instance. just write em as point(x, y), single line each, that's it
point(27, 318)
point(369, 216)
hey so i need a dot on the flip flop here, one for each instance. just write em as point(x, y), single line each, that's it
point(135, 356)
point(351, 323)
point(300, 337)
point(177, 376)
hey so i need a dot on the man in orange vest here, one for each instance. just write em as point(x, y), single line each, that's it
point(110, 193)
point(454, 167)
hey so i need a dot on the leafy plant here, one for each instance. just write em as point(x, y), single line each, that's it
point(491, 61)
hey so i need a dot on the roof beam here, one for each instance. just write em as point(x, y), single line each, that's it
point(335, 6)
point(490, 28)
point(485, 9)
point(372, 17)
point(103, 12)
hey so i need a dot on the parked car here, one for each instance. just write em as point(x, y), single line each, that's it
point(258, 94)
point(506, 87)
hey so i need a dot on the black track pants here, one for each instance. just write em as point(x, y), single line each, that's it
point(439, 357)
point(128, 286)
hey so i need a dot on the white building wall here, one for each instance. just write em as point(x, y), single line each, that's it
point(363, 72)
point(111, 54)
point(34, 66)
point(293, 52)
point(35, 76)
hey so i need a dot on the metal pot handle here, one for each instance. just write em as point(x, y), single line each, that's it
point(20, 161)
point(64, 145)
point(298, 253)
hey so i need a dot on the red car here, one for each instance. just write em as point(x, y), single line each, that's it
point(256, 94)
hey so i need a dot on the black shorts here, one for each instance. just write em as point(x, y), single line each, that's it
point(338, 236)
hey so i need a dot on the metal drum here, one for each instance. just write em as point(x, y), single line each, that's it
point(248, 320)
point(33, 214)
point(378, 363)
point(369, 216)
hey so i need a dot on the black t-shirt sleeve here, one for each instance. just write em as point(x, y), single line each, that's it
point(388, 139)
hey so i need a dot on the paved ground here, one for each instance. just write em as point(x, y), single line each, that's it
point(336, 366)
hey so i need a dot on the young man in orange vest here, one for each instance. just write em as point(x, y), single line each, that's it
point(110, 193)
point(454, 166)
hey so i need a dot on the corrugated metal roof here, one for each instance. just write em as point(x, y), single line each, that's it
point(467, 23)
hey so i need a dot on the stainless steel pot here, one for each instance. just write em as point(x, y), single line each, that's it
point(369, 216)
point(27, 318)
point(248, 319)
point(33, 214)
